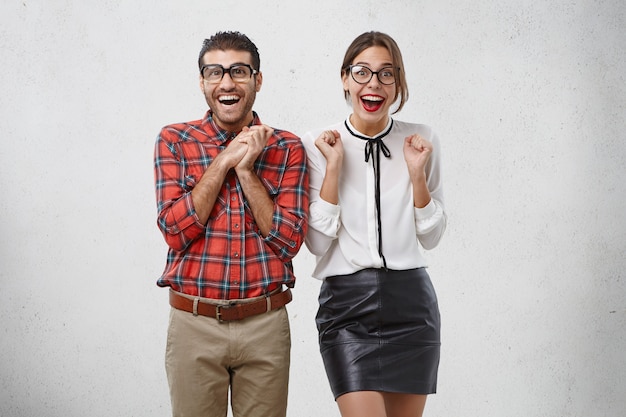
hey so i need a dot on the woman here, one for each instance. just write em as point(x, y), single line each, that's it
point(376, 197)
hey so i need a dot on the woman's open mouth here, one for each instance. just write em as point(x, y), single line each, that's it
point(372, 103)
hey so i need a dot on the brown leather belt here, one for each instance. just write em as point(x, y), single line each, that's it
point(230, 312)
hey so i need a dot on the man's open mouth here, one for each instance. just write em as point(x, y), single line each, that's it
point(228, 100)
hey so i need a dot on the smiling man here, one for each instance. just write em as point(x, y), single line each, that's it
point(232, 199)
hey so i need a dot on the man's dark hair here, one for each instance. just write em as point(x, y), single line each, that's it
point(231, 41)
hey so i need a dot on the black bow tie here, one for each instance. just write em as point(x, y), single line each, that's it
point(373, 148)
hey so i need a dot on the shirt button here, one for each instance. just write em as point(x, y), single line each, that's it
point(233, 198)
point(237, 226)
point(236, 254)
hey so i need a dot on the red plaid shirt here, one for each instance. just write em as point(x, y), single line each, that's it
point(228, 257)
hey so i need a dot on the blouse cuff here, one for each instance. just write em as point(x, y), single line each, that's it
point(429, 217)
point(326, 209)
point(324, 217)
point(425, 212)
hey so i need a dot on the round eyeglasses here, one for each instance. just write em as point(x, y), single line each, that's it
point(239, 73)
point(362, 74)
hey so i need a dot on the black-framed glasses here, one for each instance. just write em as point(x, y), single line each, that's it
point(362, 74)
point(239, 73)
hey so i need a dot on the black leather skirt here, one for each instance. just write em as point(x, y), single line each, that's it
point(380, 331)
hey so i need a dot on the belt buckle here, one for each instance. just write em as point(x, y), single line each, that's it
point(218, 314)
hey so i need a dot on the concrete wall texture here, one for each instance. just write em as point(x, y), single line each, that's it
point(529, 99)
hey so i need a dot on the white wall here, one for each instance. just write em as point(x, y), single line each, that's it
point(529, 99)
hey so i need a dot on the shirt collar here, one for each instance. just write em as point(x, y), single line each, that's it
point(218, 134)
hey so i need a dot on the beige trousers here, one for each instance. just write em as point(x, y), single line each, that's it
point(205, 358)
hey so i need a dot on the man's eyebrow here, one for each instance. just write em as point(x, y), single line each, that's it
point(234, 63)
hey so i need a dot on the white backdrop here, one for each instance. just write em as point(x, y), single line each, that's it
point(529, 99)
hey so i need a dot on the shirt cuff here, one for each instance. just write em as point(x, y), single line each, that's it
point(184, 216)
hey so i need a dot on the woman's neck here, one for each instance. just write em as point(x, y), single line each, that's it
point(368, 129)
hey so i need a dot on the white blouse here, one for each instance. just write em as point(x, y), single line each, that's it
point(344, 237)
